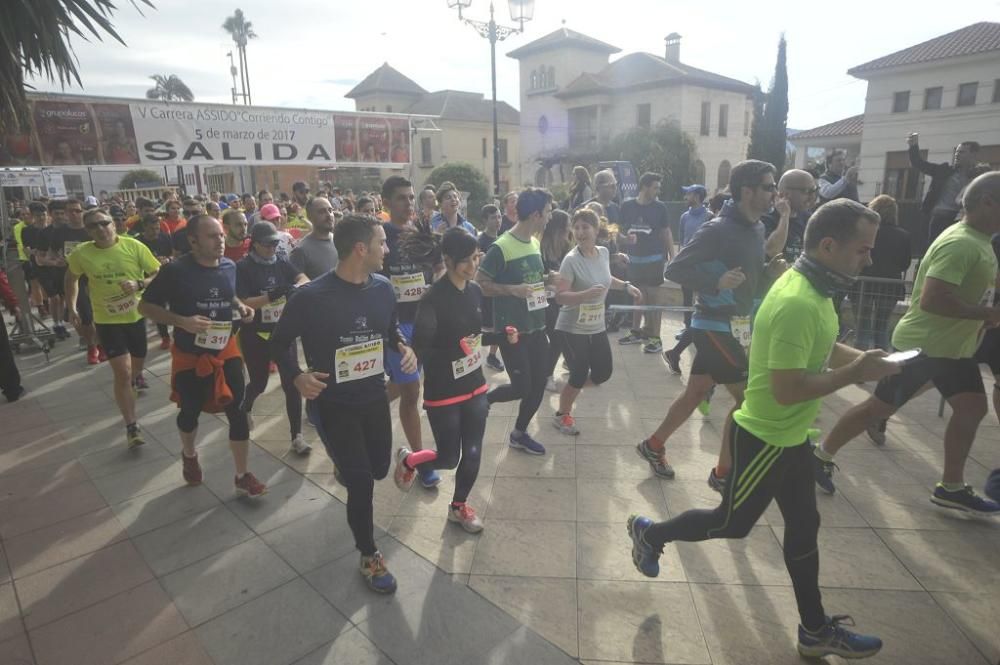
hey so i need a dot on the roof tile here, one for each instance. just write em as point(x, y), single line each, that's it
point(972, 39)
point(846, 127)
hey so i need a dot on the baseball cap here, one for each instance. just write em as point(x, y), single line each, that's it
point(269, 211)
point(231, 198)
point(300, 186)
point(90, 202)
point(264, 231)
point(695, 188)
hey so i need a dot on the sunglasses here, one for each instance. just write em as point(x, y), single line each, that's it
point(270, 243)
point(102, 223)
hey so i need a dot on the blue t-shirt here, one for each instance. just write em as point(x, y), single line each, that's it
point(329, 314)
point(187, 288)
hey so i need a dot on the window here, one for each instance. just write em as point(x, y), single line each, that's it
point(932, 98)
point(502, 143)
point(724, 169)
point(533, 83)
point(746, 122)
point(901, 181)
point(425, 151)
point(723, 119)
point(967, 94)
point(698, 172)
point(706, 117)
point(551, 79)
point(484, 148)
point(996, 91)
point(642, 115)
point(901, 102)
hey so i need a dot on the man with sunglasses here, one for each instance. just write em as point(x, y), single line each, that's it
point(117, 268)
point(786, 227)
point(724, 265)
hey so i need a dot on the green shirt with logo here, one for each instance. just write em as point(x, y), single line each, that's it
point(511, 261)
point(964, 258)
point(795, 328)
point(126, 260)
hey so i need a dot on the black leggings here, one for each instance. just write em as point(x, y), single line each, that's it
point(588, 356)
point(555, 344)
point(256, 354)
point(760, 473)
point(194, 390)
point(358, 438)
point(458, 434)
point(526, 362)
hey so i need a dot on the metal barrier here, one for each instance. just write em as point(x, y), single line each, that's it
point(872, 310)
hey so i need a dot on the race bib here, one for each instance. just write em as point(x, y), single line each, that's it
point(537, 299)
point(408, 288)
point(123, 303)
point(590, 314)
point(740, 326)
point(359, 361)
point(70, 245)
point(987, 299)
point(216, 337)
point(271, 312)
point(471, 362)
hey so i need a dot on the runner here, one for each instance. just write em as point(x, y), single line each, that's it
point(316, 254)
point(584, 281)
point(411, 271)
point(724, 264)
point(160, 245)
point(237, 242)
point(794, 340)
point(555, 245)
point(62, 242)
point(196, 294)
point(448, 338)
point(692, 219)
point(345, 319)
point(272, 213)
point(952, 297)
point(490, 215)
point(648, 243)
point(264, 281)
point(117, 269)
point(10, 377)
point(513, 275)
point(52, 267)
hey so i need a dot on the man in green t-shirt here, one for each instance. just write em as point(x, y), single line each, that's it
point(952, 299)
point(117, 269)
point(793, 344)
point(513, 275)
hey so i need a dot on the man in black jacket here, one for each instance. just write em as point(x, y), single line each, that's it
point(941, 205)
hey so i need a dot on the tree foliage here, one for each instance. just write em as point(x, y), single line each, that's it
point(664, 148)
point(131, 179)
point(769, 143)
point(35, 42)
point(239, 28)
point(169, 88)
point(467, 178)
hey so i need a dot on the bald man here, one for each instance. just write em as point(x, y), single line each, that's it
point(785, 232)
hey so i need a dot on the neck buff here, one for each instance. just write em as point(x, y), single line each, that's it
point(261, 260)
point(826, 281)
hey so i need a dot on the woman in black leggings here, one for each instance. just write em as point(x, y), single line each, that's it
point(555, 245)
point(584, 280)
point(448, 339)
point(264, 281)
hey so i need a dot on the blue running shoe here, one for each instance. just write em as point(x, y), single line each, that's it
point(522, 441)
point(835, 640)
point(429, 478)
point(377, 577)
point(645, 558)
point(965, 500)
point(823, 473)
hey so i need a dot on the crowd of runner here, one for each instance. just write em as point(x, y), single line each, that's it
point(396, 295)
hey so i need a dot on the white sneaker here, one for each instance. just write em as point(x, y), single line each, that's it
point(300, 445)
point(553, 386)
point(465, 516)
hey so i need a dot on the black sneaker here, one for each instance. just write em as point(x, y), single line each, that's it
point(965, 500)
point(716, 483)
point(494, 363)
point(823, 473)
point(673, 361)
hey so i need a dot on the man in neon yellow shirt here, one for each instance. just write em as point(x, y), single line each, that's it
point(117, 268)
point(952, 300)
point(793, 345)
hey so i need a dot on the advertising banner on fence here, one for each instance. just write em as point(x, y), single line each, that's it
point(73, 131)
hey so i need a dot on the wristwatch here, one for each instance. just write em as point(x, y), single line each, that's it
point(627, 284)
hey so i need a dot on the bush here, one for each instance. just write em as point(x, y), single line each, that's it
point(135, 176)
point(468, 179)
point(665, 149)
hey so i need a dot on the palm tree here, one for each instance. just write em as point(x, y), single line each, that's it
point(34, 41)
point(241, 30)
point(169, 88)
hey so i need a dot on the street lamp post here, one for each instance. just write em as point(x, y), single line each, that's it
point(520, 11)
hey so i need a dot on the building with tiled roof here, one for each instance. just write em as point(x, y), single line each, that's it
point(975, 39)
point(574, 102)
point(458, 127)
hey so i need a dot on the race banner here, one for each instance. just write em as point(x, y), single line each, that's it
point(77, 131)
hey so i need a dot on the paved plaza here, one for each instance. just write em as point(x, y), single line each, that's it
point(108, 558)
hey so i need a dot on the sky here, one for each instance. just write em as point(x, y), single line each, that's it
point(309, 53)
